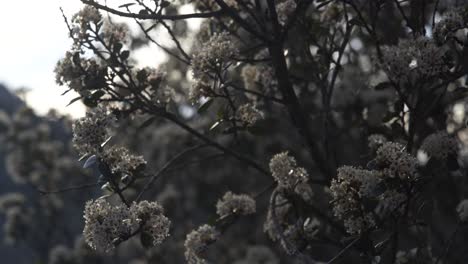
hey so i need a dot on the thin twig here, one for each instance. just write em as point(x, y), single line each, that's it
point(215, 144)
point(165, 168)
point(449, 243)
point(152, 16)
point(72, 188)
point(344, 250)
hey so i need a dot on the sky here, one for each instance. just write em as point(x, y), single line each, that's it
point(34, 37)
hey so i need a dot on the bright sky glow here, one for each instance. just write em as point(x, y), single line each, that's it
point(34, 38)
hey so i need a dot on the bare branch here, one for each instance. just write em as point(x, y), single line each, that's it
point(152, 16)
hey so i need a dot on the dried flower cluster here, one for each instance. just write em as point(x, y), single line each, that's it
point(284, 10)
point(107, 225)
point(150, 216)
point(90, 131)
point(321, 53)
point(17, 217)
point(375, 141)
point(259, 78)
point(79, 74)
point(285, 171)
point(212, 57)
point(351, 187)
point(200, 88)
point(212, 5)
point(115, 32)
point(395, 161)
point(248, 114)
point(155, 81)
point(447, 26)
point(84, 19)
point(241, 204)
point(413, 60)
point(120, 160)
point(439, 145)
point(28, 140)
point(355, 189)
point(197, 241)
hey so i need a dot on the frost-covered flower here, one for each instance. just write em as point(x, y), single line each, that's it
point(106, 224)
point(413, 60)
point(150, 215)
point(285, 171)
point(90, 131)
point(197, 241)
point(439, 145)
point(231, 203)
point(462, 210)
point(213, 55)
point(395, 161)
point(249, 114)
point(121, 160)
point(284, 10)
